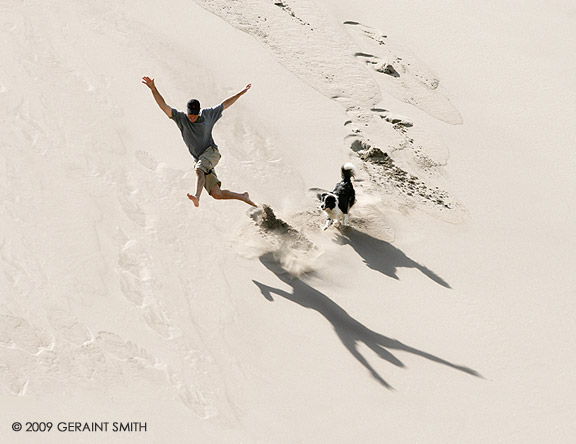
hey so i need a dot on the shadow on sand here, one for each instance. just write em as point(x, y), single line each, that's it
point(349, 330)
point(382, 256)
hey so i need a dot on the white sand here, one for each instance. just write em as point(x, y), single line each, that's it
point(443, 314)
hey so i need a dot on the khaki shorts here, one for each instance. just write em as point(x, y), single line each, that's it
point(207, 162)
point(211, 181)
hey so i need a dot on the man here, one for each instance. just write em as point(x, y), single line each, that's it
point(196, 128)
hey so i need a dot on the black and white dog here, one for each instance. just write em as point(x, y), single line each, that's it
point(337, 204)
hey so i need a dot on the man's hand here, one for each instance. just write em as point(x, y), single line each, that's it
point(157, 96)
point(231, 100)
point(148, 82)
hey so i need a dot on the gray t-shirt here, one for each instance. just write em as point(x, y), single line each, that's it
point(198, 135)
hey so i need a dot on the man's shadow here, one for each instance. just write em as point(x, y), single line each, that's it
point(382, 256)
point(349, 330)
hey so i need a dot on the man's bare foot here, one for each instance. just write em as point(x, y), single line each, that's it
point(246, 199)
point(194, 199)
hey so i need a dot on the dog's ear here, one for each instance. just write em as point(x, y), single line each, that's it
point(322, 196)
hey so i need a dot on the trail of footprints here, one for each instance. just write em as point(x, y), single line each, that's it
point(353, 65)
point(140, 285)
point(392, 157)
point(56, 351)
point(400, 73)
point(409, 183)
point(35, 361)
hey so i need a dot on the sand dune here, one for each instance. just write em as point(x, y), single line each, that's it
point(441, 314)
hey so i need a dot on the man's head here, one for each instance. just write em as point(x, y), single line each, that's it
point(193, 107)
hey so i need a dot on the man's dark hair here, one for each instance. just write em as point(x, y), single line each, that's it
point(193, 106)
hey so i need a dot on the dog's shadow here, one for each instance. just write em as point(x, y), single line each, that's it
point(381, 256)
point(349, 330)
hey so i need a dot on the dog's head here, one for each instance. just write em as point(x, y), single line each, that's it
point(328, 201)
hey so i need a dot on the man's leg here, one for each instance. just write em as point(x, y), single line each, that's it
point(218, 193)
point(200, 180)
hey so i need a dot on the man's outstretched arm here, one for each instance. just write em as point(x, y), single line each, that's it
point(230, 100)
point(157, 96)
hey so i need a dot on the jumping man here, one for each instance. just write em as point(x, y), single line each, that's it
point(196, 128)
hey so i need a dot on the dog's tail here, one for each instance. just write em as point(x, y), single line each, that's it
point(347, 171)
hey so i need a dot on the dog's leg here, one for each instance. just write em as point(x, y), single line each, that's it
point(345, 222)
point(328, 223)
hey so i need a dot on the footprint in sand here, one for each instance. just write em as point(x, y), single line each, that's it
point(67, 326)
point(158, 319)
point(134, 272)
point(16, 332)
point(394, 119)
point(138, 286)
point(378, 64)
point(13, 381)
point(133, 210)
point(147, 160)
point(137, 363)
point(121, 349)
